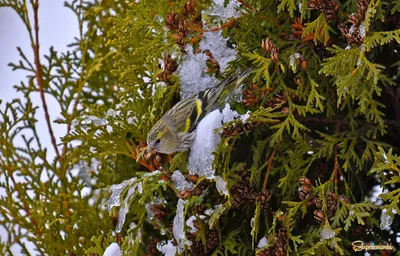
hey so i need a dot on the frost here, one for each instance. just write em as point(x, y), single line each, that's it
point(180, 182)
point(221, 186)
point(263, 242)
point(386, 220)
point(112, 250)
point(116, 191)
point(192, 76)
point(224, 13)
point(179, 225)
point(214, 42)
point(167, 248)
point(326, 233)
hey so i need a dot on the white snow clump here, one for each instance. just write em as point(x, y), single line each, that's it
point(326, 233)
point(231, 10)
point(216, 43)
point(112, 250)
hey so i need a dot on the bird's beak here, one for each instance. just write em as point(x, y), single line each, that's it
point(150, 152)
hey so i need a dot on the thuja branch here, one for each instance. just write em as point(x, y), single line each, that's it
point(269, 168)
point(339, 121)
point(17, 188)
point(39, 76)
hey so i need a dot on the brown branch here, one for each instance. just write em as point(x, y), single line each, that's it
point(246, 5)
point(336, 167)
point(39, 76)
point(269, 168)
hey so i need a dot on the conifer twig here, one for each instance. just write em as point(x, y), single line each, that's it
point(269, 168)
point(336, 167)
point(39, 76)
point(26, 208)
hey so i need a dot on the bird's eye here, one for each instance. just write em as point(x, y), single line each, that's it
point(158, 141)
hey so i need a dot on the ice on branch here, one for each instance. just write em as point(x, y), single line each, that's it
point(193, 78)
point(263, 242)
point(326, 233)
point(167, 248)
point(112, 250)
point(179, 225)
point(150, 212)
point(386, 220)
point(125, 206)
point(190, 222)
point(216, 44)
point(219, 10)
point(221, 186)
point(180, 182)
point(116, 191)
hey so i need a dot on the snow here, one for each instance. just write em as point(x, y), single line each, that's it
point(231, 10)
point(150, 212)
point(221, 186)
point(386, 220)
point(326, 233)
point(111, 113)
point(125, 207)
point(178, 228)
point(190, 222)
point(193, 78)
point(205, 142)
point(263, 242)
point(116, 191)
point(216, 43)
point(201, 154)
point(112, 250)
point(180, 182)
point(167, 248)
point(362, 29)
point(192, 71)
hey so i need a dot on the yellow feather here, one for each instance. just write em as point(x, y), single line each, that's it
point(187, 126)
point(198, 107)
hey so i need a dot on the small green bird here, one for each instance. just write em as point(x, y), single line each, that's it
point(176, 129)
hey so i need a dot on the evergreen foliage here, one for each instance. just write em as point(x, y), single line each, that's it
point(322, 131)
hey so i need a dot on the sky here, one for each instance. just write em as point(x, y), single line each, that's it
point(57, 27)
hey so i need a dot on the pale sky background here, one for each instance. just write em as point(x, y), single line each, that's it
point(58, 27)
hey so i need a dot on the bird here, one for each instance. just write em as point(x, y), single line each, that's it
point(176, 129)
